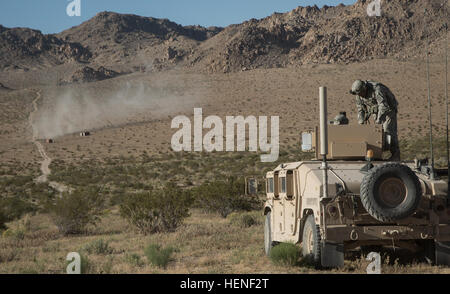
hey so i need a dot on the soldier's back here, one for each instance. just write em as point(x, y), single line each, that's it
point(386, 92)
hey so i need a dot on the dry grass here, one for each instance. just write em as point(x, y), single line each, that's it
point(205, 243)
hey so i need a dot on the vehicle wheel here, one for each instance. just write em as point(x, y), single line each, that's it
point(268, 243)
point(311, 241)
point(390, 192)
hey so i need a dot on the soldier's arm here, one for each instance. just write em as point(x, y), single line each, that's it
point(361, 111)
point(383, 106)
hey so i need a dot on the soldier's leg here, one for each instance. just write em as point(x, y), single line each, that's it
point(396, 145)
point(390, 128)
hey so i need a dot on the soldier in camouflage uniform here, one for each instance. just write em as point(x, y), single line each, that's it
point(340, 119)
point(376, 100)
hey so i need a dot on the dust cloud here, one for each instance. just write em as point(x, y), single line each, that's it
point(76, 110)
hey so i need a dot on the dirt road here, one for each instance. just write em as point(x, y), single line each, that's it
point(45, 163)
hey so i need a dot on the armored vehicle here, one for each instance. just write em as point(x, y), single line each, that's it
point(348, 198)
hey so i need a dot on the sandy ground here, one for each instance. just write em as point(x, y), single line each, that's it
point(290, 94)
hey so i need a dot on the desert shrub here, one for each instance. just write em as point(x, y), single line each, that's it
point(245, 220)
point(224, 197)
point(86, 265)
point(134, 259)
point(9, 254)
point(73, 212)
point(99, 246)
point(3, 220)
point(285, 254)
point(159, 210)
point(107, 267)
point(159, 256)
point(16, 233)
point(12, 208)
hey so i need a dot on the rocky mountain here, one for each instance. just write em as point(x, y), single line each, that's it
point(120, 27)
point(21, 48)
point(305, 35)
point(328, 35)
point(114, 37)
point(88, 74)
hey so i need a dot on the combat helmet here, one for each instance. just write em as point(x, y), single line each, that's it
point(358, 87)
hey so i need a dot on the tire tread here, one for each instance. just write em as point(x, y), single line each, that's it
point(369, 181)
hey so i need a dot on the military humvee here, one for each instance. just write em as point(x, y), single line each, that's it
point(365, 201)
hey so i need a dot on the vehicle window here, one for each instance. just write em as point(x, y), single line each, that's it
point(283, 184)
point(270, 185)
point(290, 183)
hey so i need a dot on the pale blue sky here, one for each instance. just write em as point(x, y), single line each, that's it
point(50, 16)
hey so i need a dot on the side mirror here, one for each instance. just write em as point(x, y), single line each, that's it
point(307, 142)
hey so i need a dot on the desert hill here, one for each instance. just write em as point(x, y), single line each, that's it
point(305, 35)
point(21, 48)
point(114, 26)
point(340, 34)
point(117, 37)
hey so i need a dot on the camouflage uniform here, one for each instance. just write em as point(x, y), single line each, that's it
point(380, 103)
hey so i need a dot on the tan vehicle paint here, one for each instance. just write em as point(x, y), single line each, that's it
point(295, 191)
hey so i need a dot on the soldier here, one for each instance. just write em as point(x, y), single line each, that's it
point(375, 99)
point(340, 119)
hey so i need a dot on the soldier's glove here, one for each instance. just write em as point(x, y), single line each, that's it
point(378, 122)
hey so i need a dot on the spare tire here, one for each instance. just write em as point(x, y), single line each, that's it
point(390, 192)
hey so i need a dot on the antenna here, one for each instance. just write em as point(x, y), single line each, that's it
point(446, 99)
point(446, 112)
point(324, 137)
point(429, 103)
